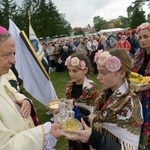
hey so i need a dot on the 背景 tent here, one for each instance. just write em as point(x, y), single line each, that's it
point(111, 30)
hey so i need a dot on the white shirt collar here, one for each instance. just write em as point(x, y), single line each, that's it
point(124, 87)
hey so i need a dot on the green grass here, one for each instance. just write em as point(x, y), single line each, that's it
point(59, 82)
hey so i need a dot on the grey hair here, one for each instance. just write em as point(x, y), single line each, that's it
point(4, 37)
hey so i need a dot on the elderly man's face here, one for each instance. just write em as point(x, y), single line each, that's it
point(7, 59)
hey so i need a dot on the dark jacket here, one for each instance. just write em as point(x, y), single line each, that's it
point(100, 142)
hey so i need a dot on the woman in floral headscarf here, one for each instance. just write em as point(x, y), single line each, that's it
point(118, 112)
point(142, 66)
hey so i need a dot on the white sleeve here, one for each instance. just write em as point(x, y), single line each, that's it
point(50, 141)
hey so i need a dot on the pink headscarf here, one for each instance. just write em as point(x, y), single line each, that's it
point(2, 30)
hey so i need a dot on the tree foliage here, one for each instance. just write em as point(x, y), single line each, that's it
point(8, 10)
point(124, 22)
point(88, 27)
point(148, 18)
point(117, 24)
point(136, 13)
point(47, 21)
point(99, 23)
point(78, 31)
point(50, 22)
point(45, 18)
point(137, 18)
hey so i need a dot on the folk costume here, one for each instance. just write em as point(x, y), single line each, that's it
point(84, 97)
point(118, 116)
point(142, 66)
point(88, 94)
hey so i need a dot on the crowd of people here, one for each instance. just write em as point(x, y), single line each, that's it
point(120, 117)
point(58, 50)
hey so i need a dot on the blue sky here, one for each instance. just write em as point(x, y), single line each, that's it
point(80, 13)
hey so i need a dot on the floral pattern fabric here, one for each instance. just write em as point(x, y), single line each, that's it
point(138, 61)
point(89, 92)
point(122, 109)
point(144, 97)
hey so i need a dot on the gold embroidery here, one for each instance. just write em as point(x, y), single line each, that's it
point(28, 121)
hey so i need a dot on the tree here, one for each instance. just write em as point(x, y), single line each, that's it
point(39, 19)
point(50, 21)
point(57, 23)
point(1, 16)
point(136, 13)
point(148, 18)
point(137, 18)
point(45, 18)
point(8, 10)
point(99, 23)
point(31, 5)
point(117, 24)
point(88, 27)
point(124, 22)
point(65, 27)
point(78, 31)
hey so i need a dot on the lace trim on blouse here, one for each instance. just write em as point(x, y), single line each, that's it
point(50, 141)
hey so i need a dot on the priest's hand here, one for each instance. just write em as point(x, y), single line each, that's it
point(25, 107)
point(54, 130)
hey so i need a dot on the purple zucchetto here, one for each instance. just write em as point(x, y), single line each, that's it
point(3, 30)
